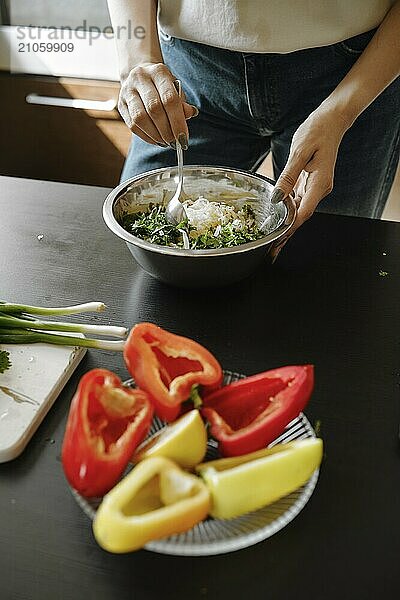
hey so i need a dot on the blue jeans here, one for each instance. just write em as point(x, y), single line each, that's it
point(251, 104)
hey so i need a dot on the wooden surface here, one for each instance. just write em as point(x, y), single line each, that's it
point(323, 302)
point(58, 143)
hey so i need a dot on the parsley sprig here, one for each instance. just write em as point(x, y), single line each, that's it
point(5, 362)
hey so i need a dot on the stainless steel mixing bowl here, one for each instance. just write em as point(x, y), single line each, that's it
point(200, 268)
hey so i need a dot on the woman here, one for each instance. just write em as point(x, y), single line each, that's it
point(315, 85)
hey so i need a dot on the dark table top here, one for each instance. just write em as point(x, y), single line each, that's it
point(324, 302)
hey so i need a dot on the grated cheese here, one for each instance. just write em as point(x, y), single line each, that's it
point(204, 216)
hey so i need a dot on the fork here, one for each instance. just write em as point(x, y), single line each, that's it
point(175, 211)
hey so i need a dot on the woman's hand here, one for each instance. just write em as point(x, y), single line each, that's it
point(309, 171)
point(315, 144)
point(150, 105)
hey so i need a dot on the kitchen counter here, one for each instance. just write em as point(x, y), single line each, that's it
point(332, 299)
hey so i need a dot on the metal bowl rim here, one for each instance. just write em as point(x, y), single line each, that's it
point(113, 225)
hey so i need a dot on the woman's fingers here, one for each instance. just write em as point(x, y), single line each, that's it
point(190, 110)
point(173, 105)
point(300, 188)
point(319, 185)
point(124, 111)
point(310, 189)
point(157, 118)
point(296, 162)
point(140, 119)
point(152, 108)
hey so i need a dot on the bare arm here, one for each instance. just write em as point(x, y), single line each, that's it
point(376, 68)
point(149, 103)
point(135, 50)
point(316, 142)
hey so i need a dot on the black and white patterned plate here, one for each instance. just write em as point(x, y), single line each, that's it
point(218, 536)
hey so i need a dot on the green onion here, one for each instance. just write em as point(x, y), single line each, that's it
point(18, 336)
point(9, 307)
point(19, 327)
point(10, 321)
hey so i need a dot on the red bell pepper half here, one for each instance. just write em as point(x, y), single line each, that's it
point(106, 423)
point(249, 414)
point(167, 366)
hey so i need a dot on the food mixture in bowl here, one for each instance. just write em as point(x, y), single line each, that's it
point(209, 225)
point(221, 213)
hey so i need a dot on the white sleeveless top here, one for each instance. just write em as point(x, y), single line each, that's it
point(269, 25)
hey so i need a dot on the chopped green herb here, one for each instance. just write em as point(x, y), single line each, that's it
point(5, 362)
point(152, 226)
point(383, 273)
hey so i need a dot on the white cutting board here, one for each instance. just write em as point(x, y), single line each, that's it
point(29, 388)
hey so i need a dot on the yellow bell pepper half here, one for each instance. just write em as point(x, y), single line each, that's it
point(245, 483)
point(156, 499)
point(184, 442)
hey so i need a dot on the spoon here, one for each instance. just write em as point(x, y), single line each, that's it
point(175, 211)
